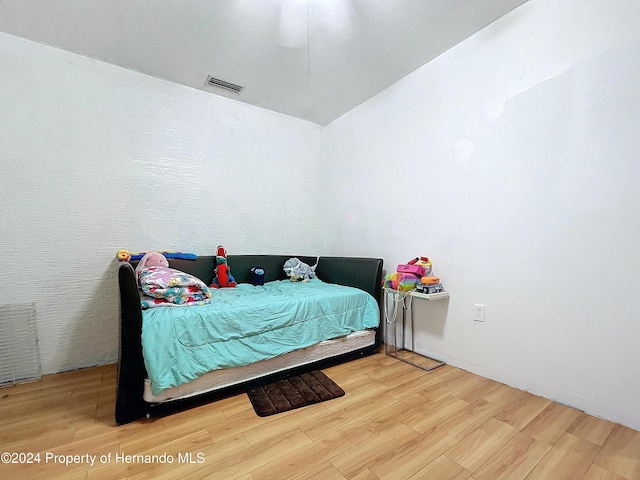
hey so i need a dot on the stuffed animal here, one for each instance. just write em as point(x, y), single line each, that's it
point(299, 271)
point(151, 259)
point(127, 256)
point(223, 276)
point(257, 276)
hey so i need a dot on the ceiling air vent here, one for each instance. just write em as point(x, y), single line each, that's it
point(216, 82)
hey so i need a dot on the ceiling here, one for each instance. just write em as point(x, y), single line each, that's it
point(311, 59)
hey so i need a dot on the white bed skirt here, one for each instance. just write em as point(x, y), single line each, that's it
point(231, 376)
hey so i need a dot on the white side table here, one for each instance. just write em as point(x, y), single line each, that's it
point(403, 300)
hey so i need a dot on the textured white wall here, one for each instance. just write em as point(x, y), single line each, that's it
point(94, 158)
point(512, 161)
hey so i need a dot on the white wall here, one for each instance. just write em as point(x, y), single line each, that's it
point(94, 158)
point(512, 161)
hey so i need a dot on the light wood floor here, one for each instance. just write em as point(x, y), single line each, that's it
point(395, 422)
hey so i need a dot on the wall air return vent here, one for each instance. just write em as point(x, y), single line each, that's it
point(19, 349)
point(216, 82)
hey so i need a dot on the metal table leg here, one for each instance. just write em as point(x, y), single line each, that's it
point(393, 325)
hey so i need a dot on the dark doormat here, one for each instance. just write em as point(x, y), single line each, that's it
point(293, 392)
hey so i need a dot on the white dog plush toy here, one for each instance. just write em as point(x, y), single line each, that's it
point(299, 271)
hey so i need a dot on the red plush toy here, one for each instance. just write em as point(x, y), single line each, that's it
point(223, 276)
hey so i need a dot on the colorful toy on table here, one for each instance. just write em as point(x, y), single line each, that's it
point(408, 275)
point(430, 280)
point(223, 277)
point(429, 288)
point(424, 262)
point(417, 270)
point(402, 282)
point(127, 256)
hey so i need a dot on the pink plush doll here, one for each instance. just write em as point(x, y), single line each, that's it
point(151, 259)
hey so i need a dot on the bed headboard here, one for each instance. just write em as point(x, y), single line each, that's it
point(359, 272)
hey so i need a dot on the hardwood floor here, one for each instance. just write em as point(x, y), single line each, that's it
point(395, 422)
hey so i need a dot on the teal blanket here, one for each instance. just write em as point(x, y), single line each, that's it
point(247, 324)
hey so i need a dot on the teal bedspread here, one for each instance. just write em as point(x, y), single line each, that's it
point(247, 324)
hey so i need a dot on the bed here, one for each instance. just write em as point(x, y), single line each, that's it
point(174, 358)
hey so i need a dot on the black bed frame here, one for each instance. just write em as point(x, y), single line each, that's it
point(362, 273)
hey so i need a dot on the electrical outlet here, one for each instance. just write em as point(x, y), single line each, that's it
point(478, 312)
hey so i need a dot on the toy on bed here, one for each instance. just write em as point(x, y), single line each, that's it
point(167, 287)
point(151, 259)
point(127, 256)
point(257, 276)
point(299, 271)
point(223, 277)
